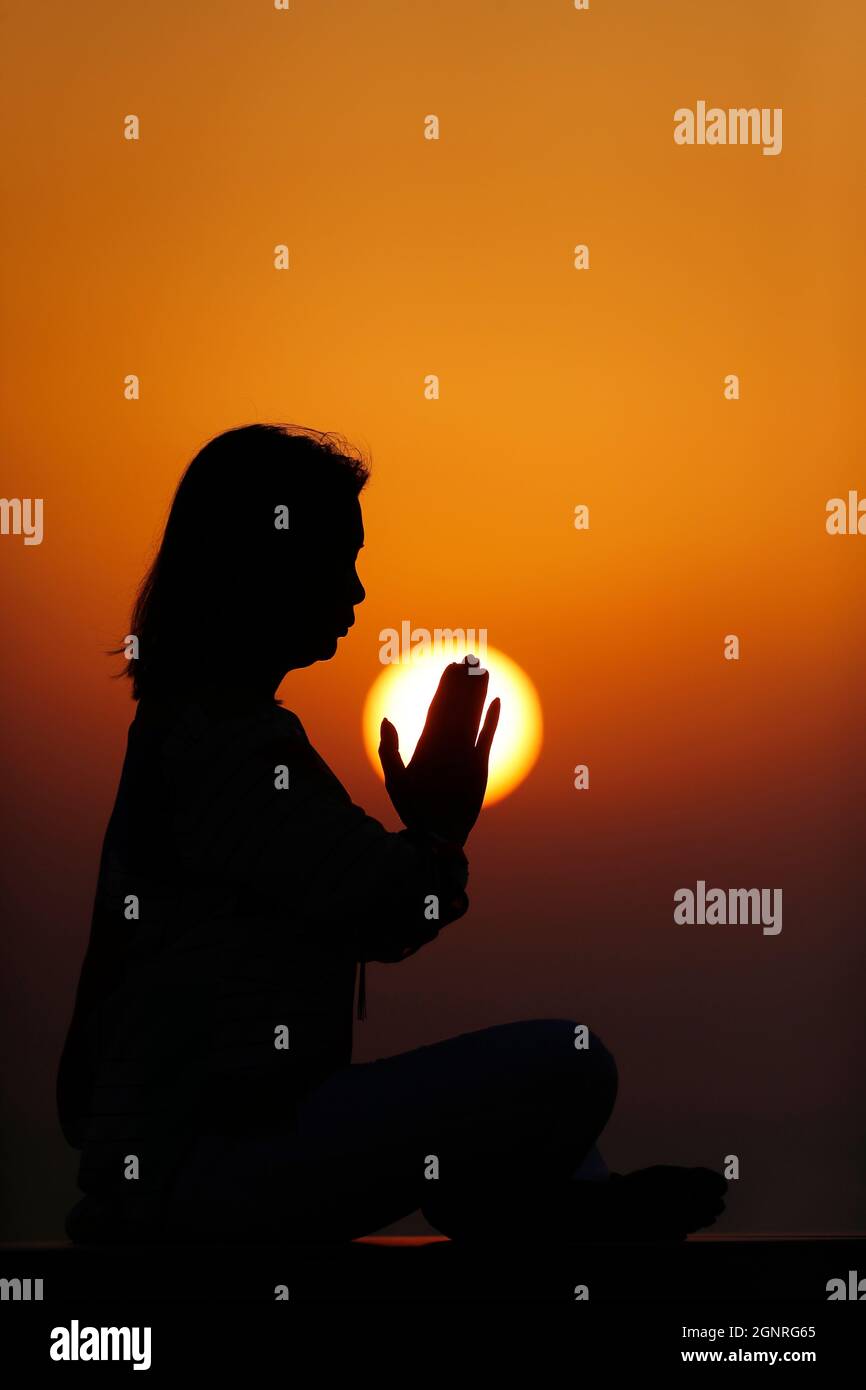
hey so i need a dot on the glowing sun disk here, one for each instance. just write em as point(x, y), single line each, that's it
point(403, 692)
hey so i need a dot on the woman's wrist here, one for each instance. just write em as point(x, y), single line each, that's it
point(449, 839)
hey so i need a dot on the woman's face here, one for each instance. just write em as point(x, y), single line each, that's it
point(317, 606)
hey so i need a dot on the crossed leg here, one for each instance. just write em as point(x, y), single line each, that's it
point(485, 1129)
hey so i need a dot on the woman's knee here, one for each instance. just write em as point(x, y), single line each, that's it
point(606, 1070)
point(592, 1060)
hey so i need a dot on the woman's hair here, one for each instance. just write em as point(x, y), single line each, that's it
point(221, 542)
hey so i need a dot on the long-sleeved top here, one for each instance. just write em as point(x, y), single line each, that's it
point(239, 887)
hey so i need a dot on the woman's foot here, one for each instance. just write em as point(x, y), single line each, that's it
point(660, 1203)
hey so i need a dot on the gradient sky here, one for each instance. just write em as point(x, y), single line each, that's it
point(558, 387)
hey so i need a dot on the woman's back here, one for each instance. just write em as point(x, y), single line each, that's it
point(190, 971)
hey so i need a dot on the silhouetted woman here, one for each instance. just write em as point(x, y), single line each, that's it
point(207, 1074)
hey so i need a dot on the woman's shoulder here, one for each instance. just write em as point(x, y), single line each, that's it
point(190, 724)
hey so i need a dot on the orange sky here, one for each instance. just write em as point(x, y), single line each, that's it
point(558, 387)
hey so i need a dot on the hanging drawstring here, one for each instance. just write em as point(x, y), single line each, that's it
point(362, 991)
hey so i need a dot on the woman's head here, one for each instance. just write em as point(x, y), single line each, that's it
point(255, 574)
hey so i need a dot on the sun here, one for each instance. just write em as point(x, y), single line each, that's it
point(403, 693)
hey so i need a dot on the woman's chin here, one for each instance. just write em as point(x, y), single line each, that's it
point(320, 649)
